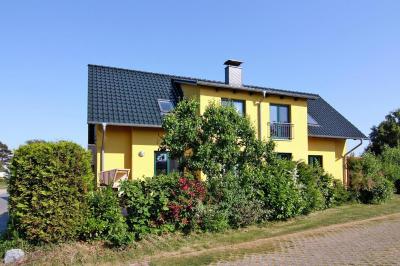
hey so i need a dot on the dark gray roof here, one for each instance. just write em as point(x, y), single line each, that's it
point(130, 97)
point(330, 122)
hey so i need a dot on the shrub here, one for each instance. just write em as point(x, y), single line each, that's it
point(367, 181)
point(162, 203)
point(104, 219)
point(319, 189)
point(314, 189)
point(236, 195)
point(212, 218)
point(185, 197)
point(282, 192)
point(390, 158)
point(340, 194)
point(146, 202)
point(47, 190)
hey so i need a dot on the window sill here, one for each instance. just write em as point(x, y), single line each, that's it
point(281, 139)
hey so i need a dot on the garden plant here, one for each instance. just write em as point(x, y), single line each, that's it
point(228, 178)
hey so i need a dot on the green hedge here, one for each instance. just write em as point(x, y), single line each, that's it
point(368, 183)
point(47, 190)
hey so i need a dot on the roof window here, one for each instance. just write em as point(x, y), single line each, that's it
point(166, 106)
point(311, 121)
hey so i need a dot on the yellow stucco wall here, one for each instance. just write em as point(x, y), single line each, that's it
point(123, 144)
point(191, 92)
point(117, 153)
point(298, 146)
point(332, 151)
point(147, 140)
point(122, 147)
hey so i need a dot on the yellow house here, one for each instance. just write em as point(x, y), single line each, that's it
point(125, 110)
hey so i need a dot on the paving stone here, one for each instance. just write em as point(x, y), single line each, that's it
point(368, 243)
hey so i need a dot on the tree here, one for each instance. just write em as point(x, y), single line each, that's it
point(387, 133)
point(216, 142)
point(5, 156)
point(34, 141)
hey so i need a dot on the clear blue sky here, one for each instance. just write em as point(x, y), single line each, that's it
point(347, 51)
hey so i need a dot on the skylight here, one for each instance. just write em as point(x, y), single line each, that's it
point(166, 106)
point(311, 121)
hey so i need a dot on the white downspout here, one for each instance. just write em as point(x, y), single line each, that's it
point(260, 117)
point(104, 125)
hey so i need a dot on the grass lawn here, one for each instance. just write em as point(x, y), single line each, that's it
point(3, 183)
point(194, 249)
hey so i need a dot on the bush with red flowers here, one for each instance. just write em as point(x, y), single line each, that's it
point(185, 197)
point(162, 203)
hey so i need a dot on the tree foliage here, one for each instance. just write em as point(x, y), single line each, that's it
point(368, 182)
point(34, 141)
point(5, 156)
point(216, 142)
point(390, 159)
point(387, 133)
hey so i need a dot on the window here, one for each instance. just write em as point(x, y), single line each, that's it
point(166, 106)
point(280, 127)
point(163, 164)
point(237, 104)
point(311, 121)
point(279, 113)
point(91, 134)
point(285, 156)
point(315, 160)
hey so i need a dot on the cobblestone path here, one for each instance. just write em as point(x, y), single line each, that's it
point(371, 242)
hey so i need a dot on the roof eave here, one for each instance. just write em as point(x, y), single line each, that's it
point(336, 137)
point(243, 88)
point(124, 124)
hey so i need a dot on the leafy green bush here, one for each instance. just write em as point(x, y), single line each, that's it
point(282, 191)
point(146, 201)
point(162, 203)
point(212, 218)
point(319, 189)
point(390, 158)
point(340, 194)
point(367, 181)
point(47, 190)
point(313, 188)
point(236, 194)
point(104, 219)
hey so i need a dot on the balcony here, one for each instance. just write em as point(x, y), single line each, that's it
point(281, 131)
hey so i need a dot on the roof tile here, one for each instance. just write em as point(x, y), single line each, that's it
point(122, 96)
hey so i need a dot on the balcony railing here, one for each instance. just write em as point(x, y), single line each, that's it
point(281, 130)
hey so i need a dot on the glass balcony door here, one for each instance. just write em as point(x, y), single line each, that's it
point(280, 126)
point(279, 114)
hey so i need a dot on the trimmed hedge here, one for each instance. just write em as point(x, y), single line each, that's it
point(47, 190)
